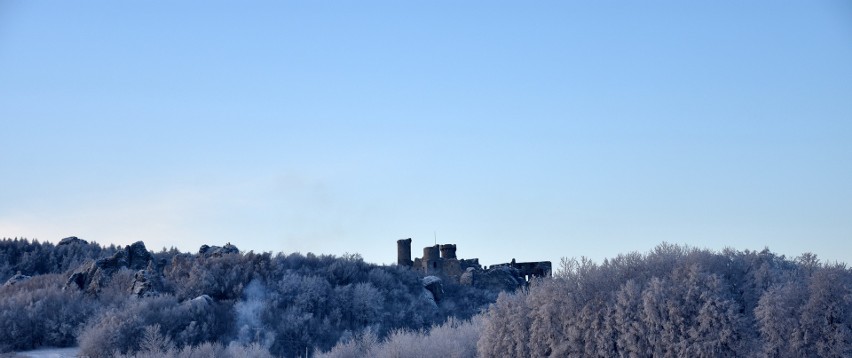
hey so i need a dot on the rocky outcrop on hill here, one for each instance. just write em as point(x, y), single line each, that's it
point(71, 240)
point(93, 276)
point(18, 278)
point(203, 300)
point(433, 287)
point(207, 251)
point(146, 282)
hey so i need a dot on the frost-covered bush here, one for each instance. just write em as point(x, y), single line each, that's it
point(233, 350)
point(37, 312)
point(123, 328)
point(454, 339)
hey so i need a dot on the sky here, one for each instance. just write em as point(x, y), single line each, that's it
point(514, 129)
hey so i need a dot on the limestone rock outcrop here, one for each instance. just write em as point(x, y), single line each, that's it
point(433, 285)
point(18, 278)
point(203, 300)
point(146, 282)
point(207, 251)
point(72, 240)
point(95, 275)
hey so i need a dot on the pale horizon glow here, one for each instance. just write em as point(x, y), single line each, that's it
point(531, 131)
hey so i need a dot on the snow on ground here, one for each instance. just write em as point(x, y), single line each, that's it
point(50, 353)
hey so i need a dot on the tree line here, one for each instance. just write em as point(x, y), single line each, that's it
point(672, 301)
point(283, 303)
point(677, 301)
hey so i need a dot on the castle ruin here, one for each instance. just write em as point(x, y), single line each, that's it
point(441, 260)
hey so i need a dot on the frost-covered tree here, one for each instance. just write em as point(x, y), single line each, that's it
point(777, 315)
point(632, 341)
point(825, 326)
point(506, 326)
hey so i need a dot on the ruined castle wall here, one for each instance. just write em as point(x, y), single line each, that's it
point(529, 270)
point(441, 260)
point(466, 263)
point(452, 268)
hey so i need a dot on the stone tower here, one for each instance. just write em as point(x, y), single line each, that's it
point(431, 259)
point(403, 252)
point(451, 265)
point(448, 251)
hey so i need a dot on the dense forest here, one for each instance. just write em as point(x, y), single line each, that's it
point(673, 301)
point(285, 303)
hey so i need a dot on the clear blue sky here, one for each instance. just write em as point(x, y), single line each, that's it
point(532, 130)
